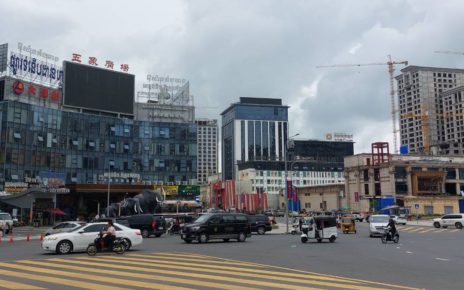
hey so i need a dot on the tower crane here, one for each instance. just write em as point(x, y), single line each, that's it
point(391, 69)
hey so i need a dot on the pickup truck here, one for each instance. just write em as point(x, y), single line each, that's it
point(6, 222)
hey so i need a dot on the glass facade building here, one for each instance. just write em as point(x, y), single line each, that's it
point(84, 147)
point(255, 129)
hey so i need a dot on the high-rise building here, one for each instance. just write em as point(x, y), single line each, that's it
point(255, 129)
point(422, 107)
point(207, 156)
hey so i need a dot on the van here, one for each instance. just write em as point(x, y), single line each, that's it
point(217, 226)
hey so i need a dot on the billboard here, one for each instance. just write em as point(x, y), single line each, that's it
point(98, 89)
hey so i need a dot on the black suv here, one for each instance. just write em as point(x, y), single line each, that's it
point(148, 224)
point(212, 226)
point(260, 224)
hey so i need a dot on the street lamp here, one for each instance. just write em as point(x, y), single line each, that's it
point(286, 181)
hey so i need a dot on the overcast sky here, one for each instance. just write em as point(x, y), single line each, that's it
point(228, 49)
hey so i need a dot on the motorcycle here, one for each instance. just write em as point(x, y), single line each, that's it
point(386, 237)
point(119, 246)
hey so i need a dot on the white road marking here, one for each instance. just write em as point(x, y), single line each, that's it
point(408, 252)
point(441, 259)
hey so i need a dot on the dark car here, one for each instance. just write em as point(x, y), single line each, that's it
point(216, 226)
point(148, 224)
point(120, 220)
point(259, 224)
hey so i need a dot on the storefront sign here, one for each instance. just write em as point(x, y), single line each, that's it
point(31, 68)
point(168, 190)
point(189, 190)
point(121, 175)
point(35, 91)
point(93, 60)
point(37, 52)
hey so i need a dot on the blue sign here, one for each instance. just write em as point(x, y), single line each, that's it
point(416, 206)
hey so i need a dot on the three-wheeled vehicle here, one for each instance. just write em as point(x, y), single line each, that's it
point(319, 228)
point(348, 225)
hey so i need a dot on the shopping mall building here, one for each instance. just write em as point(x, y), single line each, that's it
point(73, 132)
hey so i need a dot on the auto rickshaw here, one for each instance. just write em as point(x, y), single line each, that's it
point(348, 225)
point(319, 228)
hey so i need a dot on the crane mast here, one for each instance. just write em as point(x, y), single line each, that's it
point(391, 69)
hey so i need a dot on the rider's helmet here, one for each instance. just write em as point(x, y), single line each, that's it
point(391, 220)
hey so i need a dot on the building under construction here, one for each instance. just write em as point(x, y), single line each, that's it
point(430, 109)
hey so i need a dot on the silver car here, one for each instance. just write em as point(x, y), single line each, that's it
point(64, 227)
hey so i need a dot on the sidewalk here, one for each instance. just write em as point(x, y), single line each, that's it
point(421, 223)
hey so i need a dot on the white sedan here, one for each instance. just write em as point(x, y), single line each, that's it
point(399, 220)
point(79, 239)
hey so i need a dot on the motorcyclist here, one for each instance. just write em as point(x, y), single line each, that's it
point(391, 227)
point(107, 236)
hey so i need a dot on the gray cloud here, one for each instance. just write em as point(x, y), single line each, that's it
point(258, 48)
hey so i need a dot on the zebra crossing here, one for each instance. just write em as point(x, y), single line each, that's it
point(424, 230)
point(177, 271)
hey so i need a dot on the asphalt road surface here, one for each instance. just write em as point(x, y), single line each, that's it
point(424, 258)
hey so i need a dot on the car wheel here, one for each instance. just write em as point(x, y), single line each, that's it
point(158, 235)
point(371, 236)
point(261, 231)
point(436, 224)
point(188, 241)
point(304, 240)
point(332, 239)
point(145, 234)
point(225, 240)
point(458, 225)
point(64, 247)
point(319, 240)
point(127, 244)
point(241, 237)
point(203, 238)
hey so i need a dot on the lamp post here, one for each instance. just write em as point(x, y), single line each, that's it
point(286, 181)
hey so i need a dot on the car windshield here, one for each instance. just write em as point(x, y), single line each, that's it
point(379, 219)
point(5, 216)
point(203, 218)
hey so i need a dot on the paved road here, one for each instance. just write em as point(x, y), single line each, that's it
point(423, 259)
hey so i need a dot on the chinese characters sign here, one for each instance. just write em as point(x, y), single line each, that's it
point(36, 91)
point(92, 60)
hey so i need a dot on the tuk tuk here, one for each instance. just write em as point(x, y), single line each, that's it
point(348, 225)
point(319, 228)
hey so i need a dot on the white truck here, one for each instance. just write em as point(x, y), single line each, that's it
point(6, 222)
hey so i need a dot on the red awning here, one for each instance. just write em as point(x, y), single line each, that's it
point(57, 211)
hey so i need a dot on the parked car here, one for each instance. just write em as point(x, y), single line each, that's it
point(223, 226)
point(6, 222)
point(78, 239)
point(63, 227)
point(279, 213)
point(399, 220)
point(148, 224)
point(377, 224)
point(260, 224)
point(357, 216)
point(453, 220)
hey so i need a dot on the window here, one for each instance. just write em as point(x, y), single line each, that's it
point(40, 138)
point(95, 228)
point(75, 142)
point(17, 135)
